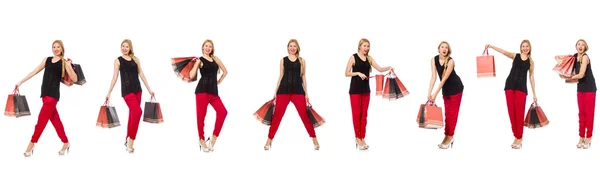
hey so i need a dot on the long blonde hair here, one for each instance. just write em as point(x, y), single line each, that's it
point(212, 53)
point(361, 42)
point(131, 53)
point(62, 55)
point(297, 54)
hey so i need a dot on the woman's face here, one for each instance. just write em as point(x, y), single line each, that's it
point(364, 48)
point(125, 48)
point(207, 48)
point(525, 48)
point(56, 49)
point(443, 50)
point(580, 47)
point(292, 48)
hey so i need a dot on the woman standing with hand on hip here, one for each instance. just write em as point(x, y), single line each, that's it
point(54, 70)
point(586, 92)
point(359, 67)
point(130, 69)
point(516, 88)
point(452, 89)
point(291, 87)
point(207, 92)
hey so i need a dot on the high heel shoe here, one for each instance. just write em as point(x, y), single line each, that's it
point(129, 150)
point(587, 146)
point(29, 154)
point(209, 145)
point(359, 147)
point(62, 152)
point(450, 145)
point(317, 147)
point(580, 145)
point(268, 147)
point(517, 146)
point(204, 149)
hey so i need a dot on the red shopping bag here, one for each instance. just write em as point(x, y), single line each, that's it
point(379, 84)
point(535, 118)
point(565, 67)
point(486, 66)
point(430, 116)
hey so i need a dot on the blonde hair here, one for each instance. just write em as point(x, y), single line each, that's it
point(585, 45)
point(528, 43)
point(212, 52)
point(297, 54)
point(131, 53)
point(447, 44)
point(361, 42)
point(62, 55)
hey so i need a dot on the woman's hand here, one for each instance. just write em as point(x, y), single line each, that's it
point(362, 76)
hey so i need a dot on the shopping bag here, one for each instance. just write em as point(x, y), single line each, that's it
point(430, 116)
point(16, 105)
point(486, 65)
point(379, 84)
point(107, 117)
point(264, 114)
point(315, 118)
point(80, 76)
point(565, 67)
point(182, 67)
point(393, 88)
point(535, 118)
point(152, 112)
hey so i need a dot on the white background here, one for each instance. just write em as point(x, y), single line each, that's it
point(250, 37)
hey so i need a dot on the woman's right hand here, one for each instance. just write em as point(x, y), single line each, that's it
point(362, 76)
point(107, 96)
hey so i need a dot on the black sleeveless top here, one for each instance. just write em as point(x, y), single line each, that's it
point(130, 81)
point(357, 85)
point(52, 77)
point(517, 79)
point(588, 82)
point(453, 84)
point(291, 82)
point(208, 81)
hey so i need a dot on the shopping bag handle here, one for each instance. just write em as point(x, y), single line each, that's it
point(431, 103)
point(107, 103)
point(16, 90)
point(485, 51)
point(152, 98)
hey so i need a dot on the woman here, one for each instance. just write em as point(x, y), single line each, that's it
point(586, 92)
point(291, 87)
point(129, 67)
point(452, 88)
point(207, 92)
point(359, 67)
point(516, 88)
point(54, 70)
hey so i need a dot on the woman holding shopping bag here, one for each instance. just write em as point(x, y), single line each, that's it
point(516, 88)
point(291, 87)
point(54, 71)
point(130, 69)
point(359, 67)
point(207, 92)
point(586, 92)
point(451, 87)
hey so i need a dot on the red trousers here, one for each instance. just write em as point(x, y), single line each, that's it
point(49, 112)
point(281, 104)
point(133, 101)
point(202, 101)
point(587, 106)
point(452, 106)
point(515, 102)
point(360, 106)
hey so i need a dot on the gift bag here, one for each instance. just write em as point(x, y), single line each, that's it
point(430, 116)
point(16, 105)
point(107, 117)
point(535, 117)
point(182, 67)
point(264, 114)
point(80, 77)
point(315, 118)
point(379, 84)
point(565, 67)
point(486, 66)
point(152, 112)
point(393, 88)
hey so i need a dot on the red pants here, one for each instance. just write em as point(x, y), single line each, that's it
point(452, 106)
point(515, 101)
point(281, 104)
point(49, 112)
point(133, 101)
point(360, 106)
point(202, 101)
point(587, 106)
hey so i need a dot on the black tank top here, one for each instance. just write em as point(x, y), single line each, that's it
point(357, 85)
point(130, 81)
point(51, 80)
point(517, 79)
point(453, 84)
point(208, 81)
point(588, 82)
point(291, 82)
